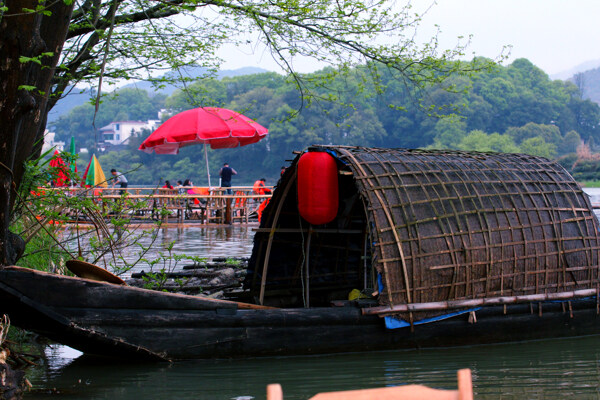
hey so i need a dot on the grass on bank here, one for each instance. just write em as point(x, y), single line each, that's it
point(590, 184)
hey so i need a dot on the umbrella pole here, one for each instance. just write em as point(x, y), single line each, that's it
point(206, 158)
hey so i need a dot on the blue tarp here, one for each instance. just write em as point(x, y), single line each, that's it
point(395, 323)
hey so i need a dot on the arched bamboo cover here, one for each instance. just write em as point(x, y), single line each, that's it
point(449, 225)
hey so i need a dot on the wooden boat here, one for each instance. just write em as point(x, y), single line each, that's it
point(112, 320)
point(459, 249)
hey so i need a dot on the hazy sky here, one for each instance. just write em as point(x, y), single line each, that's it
point(555, 35)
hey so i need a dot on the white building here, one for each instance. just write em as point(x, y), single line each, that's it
point(50, 142)
point(119, 132)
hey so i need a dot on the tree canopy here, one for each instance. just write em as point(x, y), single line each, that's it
point(48, 47)
point(359, 116)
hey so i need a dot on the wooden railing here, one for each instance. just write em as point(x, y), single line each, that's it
point(200, 204)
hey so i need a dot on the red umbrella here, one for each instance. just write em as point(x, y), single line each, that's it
point(219, 127)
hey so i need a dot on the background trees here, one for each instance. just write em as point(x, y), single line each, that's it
point(474, 118)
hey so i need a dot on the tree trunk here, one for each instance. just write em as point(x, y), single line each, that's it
point(27, 68)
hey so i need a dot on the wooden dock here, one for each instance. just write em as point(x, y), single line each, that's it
point(201, 205)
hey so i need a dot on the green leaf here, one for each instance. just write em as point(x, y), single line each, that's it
point(24, 60)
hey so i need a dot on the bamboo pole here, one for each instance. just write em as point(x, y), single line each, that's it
point(307, 283)
point(490, 301)
point(263, 279)
point(206, 159)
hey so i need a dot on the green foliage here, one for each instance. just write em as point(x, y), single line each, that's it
point(166, 262)
point(502, 109)
point(549, 133)
point(37, 60)
point(233, 262)
point(586, 170)
point(480, 141)
point(537, 146)
point(357, 40)
point(570, 142)
point(107, 235)
point(105, 42)
point(41, 251)
point(568, 161)
point(449, 133)
point(591, 184)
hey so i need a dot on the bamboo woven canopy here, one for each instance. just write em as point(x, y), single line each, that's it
point(436, 226)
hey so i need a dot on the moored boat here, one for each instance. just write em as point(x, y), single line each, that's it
point(118, 321)
point(438, 249)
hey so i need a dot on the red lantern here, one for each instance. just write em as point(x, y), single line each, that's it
point(318, 196)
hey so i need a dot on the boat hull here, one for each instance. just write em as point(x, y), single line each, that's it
point(110, 320)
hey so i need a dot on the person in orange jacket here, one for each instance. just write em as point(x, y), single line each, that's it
point(260, 188)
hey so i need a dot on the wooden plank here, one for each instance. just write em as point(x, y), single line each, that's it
point(405, 392)
point(274, 392)
point(64, 290)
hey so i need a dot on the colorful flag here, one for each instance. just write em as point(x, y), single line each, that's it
point(93, 175)
point(73, 165)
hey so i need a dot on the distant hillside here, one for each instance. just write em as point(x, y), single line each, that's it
point(591, 78)
point(591, 85)
point(191, 72)
point(80, 96)
point(67, 103)
point(568, 74)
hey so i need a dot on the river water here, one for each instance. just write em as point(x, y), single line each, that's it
point(531, 370)
point(546, 369)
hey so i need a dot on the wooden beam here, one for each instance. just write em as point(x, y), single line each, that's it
point(467, 303)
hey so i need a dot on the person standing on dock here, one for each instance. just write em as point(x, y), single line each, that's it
point(226, 173)
point(120, 179)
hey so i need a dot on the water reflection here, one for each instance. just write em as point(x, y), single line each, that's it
point(594, 194)
point(205, 242)
point(233, 241)
point(541, 369)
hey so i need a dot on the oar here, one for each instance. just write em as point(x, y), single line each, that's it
point(90, 271)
